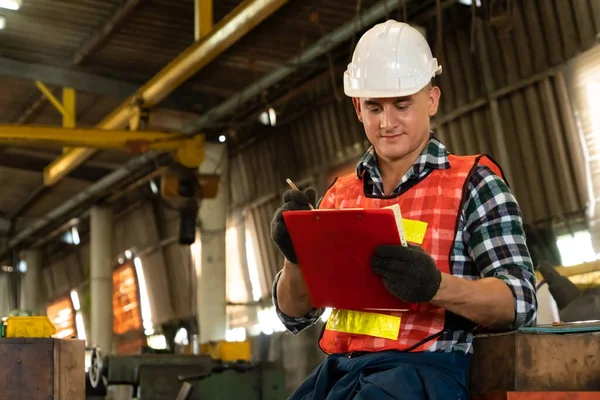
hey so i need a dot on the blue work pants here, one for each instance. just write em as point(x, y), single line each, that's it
point(389, 375)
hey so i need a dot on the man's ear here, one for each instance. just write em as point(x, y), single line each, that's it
point(434, 100)
point(356, 103)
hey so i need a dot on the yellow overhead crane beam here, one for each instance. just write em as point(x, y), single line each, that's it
point(189, 151)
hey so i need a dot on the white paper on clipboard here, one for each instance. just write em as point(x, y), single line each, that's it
point(399, 224)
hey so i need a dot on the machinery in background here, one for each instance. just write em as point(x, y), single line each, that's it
point(573, 304)
point(184, 189)
point(181, 184)
point(184, 377)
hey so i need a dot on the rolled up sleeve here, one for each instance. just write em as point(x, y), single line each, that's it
point(525, 299)
point(294, 325)
point(496, 241)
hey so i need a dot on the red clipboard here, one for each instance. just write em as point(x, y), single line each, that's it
point(334, 249)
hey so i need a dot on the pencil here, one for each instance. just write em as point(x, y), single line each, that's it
point(293, 186)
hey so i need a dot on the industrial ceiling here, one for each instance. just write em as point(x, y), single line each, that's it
point(108, 49)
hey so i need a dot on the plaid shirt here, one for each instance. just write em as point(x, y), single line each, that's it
point(490, 241)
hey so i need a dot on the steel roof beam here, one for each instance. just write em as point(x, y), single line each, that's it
point(109, 26)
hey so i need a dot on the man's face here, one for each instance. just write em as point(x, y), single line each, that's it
point(397, 127)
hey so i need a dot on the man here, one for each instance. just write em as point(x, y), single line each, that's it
point(472, 269)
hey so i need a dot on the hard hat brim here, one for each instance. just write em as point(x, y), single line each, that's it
point(381, 94)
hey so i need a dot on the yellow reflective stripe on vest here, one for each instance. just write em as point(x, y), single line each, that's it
point(414, 230)
point(364, 323)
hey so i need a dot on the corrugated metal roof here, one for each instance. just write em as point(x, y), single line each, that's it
point(14, 95)
point(49, 31)
point(17, 184)
point(12, 193)
point(156, 32)
point(153, 35)
point(275, 41)
point(159, 30)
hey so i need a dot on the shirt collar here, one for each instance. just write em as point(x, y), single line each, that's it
point(434, 156)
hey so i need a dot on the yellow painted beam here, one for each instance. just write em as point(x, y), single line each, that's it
point(585, 276)
point(97, 138)
point(51, 98)
point(189, 151)
point(203, 17)
point(224, 34)
point(575, 270)
point(69, 105)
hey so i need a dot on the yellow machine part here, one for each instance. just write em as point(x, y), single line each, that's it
point(227, 351)
point(209, 186)
point(29, 327)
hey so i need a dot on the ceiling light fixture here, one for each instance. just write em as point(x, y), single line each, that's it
point(470, 2)
point(10, 4)
point(268, 117)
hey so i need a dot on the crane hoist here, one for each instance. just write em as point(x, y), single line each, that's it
point(181, 183)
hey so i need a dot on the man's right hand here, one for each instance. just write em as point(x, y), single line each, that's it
point(293, 200)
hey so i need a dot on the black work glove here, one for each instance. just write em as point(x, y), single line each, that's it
point(409, 273)
point(293, 200)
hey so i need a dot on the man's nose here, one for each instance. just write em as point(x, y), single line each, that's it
point(388, 120)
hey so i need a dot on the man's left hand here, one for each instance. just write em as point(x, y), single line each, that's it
point(409, 273)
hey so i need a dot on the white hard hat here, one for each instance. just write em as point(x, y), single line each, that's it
point(392, 59)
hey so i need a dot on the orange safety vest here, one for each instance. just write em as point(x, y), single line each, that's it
point(436, 200)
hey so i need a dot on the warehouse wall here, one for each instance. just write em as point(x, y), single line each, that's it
point(167, 266)
point(583, 80)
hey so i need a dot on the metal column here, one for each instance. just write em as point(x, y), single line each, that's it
point(212, 283)
point(101, 268)
point(32, 285)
